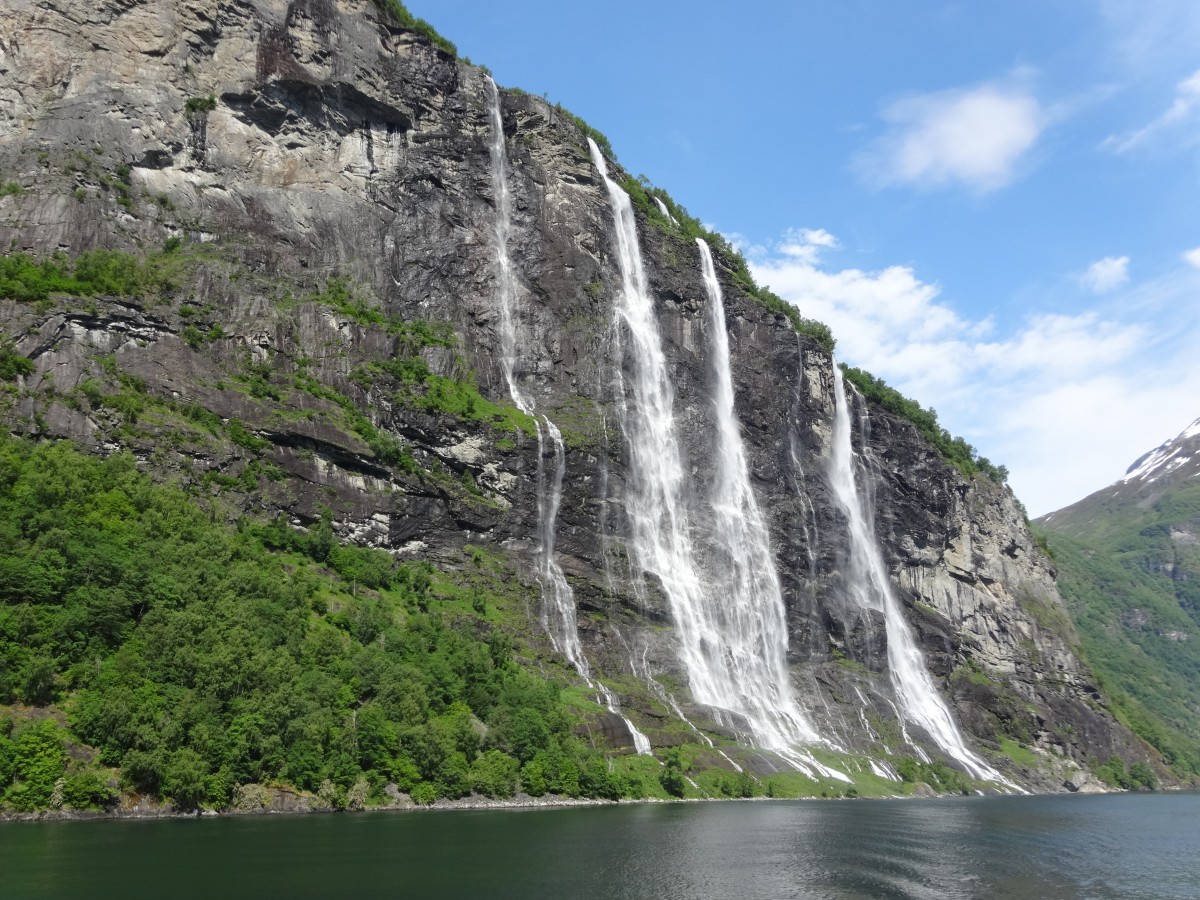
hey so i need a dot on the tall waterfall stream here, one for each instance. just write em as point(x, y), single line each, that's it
point(732, 635)
point(728, 613)
point(557, 596)
point(867, 583)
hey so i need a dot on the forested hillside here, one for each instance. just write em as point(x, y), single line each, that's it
point(197, 657)
point(1128, 559)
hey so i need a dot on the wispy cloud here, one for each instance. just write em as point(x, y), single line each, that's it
point(1183, 111)
point(1106, 274)
point(806, 244)
point(1152, 35)
point(1192, 258)
point(973, 138)
point(1065, 401)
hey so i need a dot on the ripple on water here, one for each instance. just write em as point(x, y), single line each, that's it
point(1128, 847)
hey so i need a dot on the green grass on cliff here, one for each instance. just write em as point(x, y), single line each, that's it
point(152, 274)
point(27, 279)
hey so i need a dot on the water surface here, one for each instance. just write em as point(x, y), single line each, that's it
point(1126, 846)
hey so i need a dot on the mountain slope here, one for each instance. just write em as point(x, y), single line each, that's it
point(255, 244)
point(1128, 559)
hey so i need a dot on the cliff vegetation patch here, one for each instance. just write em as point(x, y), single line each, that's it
point(192, 658)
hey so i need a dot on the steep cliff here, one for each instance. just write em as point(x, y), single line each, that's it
point(313, 326)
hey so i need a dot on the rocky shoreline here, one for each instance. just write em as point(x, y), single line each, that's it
point(284, 802)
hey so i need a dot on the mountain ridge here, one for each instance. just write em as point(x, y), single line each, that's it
point(318, 340)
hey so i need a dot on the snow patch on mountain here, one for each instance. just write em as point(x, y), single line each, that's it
point(1166, 458)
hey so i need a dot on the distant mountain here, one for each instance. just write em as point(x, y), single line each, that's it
point(1158, 474)
point(1128, 558)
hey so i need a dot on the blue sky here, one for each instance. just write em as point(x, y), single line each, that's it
point(994, 205)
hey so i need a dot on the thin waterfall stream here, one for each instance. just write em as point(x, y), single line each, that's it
point(868, 585)
point(557, 595)
point(733, 648)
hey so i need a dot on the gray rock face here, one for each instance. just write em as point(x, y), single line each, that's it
point(287, 144)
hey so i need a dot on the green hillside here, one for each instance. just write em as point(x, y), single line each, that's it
point(147, 646)
point(1128, 559)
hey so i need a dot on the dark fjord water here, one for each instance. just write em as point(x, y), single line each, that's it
point(1134, 846)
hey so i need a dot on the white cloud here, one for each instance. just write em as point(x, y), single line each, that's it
point(1106, 274)
point(1192, 257)
point(1067, 402)
point(1184, 109)
point(805, 244)
point(974, 138)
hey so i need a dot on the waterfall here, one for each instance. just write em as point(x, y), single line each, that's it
point(733, 647)
point(662, 208)
point(868, 585)
point(506, 280)
point(749, 617)
point(556, 590)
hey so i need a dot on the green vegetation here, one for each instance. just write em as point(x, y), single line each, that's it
point(595, 134)
point(415, 385)
point(405, 19)
point(1131, 592)
point(972, 672)
point(954, 450)
point(352, 302)
point(1018, 754)
point(1139, 777)
point(938, 776)
point(196, 105)
point(96, 272)
point(197, 657)
point(10, 189)
point(42, 767)
point(12, 363)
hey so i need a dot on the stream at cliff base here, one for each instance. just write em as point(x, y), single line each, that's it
point(1123, 846)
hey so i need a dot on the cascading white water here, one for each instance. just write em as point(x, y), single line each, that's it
point(868, 585)
point(662, 208)
point(556, 590)
point(734, 653)
point(749, 617)
point(506, 280)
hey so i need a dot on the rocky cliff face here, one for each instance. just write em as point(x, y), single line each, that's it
point(317, 330)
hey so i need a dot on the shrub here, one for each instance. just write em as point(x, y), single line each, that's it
point(494, 774)
point(424, 793)
point(643, 194)
point(96, 272)
point(953, 449)
point(405, 19)
point(88, 789)
point(198, 105)
point(1143, 776)
point(37, 760)
point(1113, 773)
point(13, 364)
